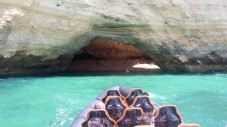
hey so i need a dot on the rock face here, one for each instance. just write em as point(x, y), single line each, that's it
point(41, 36)
point(108, 49)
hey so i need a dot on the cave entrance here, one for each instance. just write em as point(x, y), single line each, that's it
point(109, 55)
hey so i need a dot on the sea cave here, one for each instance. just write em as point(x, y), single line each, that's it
point(110, 55)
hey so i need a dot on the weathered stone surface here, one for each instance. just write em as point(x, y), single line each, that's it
point(108, 49)
point(21, 64)
point(180, 35)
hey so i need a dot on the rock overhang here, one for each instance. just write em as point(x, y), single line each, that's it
point(185, 36)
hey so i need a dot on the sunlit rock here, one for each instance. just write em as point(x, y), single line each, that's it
point(41, 36)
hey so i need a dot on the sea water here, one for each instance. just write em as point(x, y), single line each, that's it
point(55, 101)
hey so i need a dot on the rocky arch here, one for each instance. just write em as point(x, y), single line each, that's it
point(128, 34)
point(109, 55)
point(40, 37)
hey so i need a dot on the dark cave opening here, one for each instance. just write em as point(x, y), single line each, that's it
point(83, 56)
point(109, 55)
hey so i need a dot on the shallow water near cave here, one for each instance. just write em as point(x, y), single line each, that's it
point(55, 101)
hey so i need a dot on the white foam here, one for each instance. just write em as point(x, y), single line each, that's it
point(155, 96)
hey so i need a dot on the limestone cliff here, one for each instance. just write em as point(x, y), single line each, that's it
point(41, 36)
point(107, 49)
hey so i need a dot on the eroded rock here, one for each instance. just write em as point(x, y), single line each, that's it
point(186, 36)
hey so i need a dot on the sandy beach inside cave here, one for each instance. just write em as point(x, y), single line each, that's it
point(126, 65)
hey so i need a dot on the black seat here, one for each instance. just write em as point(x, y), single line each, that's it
point(115, 107)
point(111, 93)
point(99, 118)
point(168, 116)
point(131, 117)
point(144, 103)
point(132, 95)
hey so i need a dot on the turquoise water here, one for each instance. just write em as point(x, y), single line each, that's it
point(55, 101)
